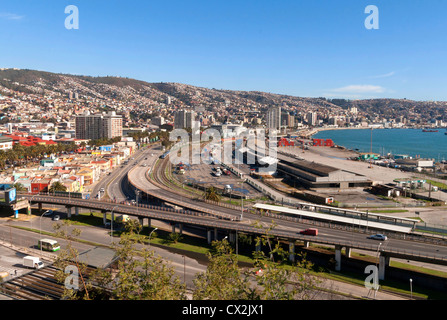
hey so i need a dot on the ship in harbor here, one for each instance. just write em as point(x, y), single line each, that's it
point(429, 130)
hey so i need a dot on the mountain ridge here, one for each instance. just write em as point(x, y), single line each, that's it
point(141, 93)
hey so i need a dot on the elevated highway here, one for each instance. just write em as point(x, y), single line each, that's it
point(216, 218)
point(410, 250)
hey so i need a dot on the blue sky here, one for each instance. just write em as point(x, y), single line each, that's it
point(302, 48)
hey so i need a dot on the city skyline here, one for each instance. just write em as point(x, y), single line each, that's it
point(318, 49)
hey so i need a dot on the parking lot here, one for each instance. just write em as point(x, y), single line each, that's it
point(206, 175)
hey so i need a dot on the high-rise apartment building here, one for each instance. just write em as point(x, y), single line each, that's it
point(98, 126)
point(287, 120)
point(311, 118)
point(273, 118)
point(184, 119)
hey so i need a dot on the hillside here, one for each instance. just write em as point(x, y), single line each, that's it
point(141, 94)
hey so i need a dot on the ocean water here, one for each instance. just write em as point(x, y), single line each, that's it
point(411, 142)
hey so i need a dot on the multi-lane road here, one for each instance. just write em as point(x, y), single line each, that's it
point(288, 229)
point(116, 187)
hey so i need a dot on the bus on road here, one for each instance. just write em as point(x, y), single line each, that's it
point(48, 245)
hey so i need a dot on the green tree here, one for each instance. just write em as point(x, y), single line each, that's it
point(140, 274)
point(57, 186)
point(293, 282)
point(211, 194)
point(19, 187)
point(223, 279)
point(69, 257)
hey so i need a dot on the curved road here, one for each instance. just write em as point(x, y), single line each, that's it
point(117, 184)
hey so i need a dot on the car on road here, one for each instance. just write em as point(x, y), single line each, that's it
point(56, 217)
point(101, 190)
point(48, 213)
point(378, 237)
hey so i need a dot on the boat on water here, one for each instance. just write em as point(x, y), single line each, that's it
point(429, 130)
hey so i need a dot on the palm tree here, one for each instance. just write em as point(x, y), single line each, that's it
point(20, 187)
point(57, 186)
point(211, 194)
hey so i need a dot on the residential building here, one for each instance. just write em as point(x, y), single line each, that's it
point(273, 118)
point(99, 126)
point(311, 118)
point(184, 119)
point(5, 143)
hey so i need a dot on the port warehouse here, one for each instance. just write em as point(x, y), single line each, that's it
point(336, 218)
point(314, 175)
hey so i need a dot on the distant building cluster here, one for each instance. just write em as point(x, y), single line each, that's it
point(75, 171)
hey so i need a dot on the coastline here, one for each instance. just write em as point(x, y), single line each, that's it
point(318, 130)
point(422, 145)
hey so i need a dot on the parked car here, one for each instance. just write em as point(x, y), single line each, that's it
point(56, 217)
point(378, 237)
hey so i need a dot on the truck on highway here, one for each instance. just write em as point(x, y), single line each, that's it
point(32, 262)
point(310, 232)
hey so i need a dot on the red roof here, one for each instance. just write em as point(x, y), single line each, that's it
point(30, 140)
point(16, 138)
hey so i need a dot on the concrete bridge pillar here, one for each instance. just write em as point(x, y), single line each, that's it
point(292, 251)
point(337, 258)
point(348, 252)
point(215, 234)
point(40, 207)
point(173, 227)
point(104, 216)
point(76, 211)
point(141, 220)
point(68, 212)
point(149, 222)
point(208, 233)
point(232, 237)
point(384, 262)
point(180, 226)
point(306, 244)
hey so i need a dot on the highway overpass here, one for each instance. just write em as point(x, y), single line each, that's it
point(410, 250)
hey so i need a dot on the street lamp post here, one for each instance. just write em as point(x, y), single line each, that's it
point(111, 225)
point(150, 234)
point(242, 201)
point(184, 270)
point(41, 232)
point(242, 207)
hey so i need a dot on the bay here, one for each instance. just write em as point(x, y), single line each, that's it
point(411, 142)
